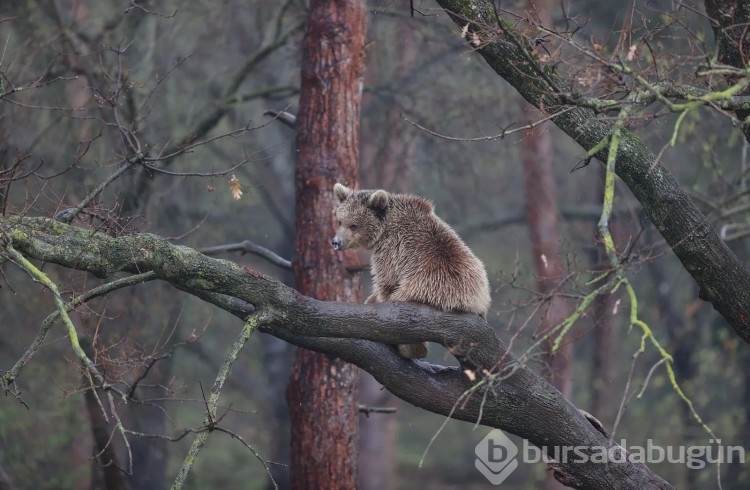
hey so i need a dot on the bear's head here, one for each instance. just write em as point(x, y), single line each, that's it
point(360, 216)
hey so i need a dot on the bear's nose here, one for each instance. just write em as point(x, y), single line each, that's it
point(336, 242)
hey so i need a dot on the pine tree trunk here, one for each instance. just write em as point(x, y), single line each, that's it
point(323, 391)
point(544, 230)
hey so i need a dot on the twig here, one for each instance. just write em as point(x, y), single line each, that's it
point(255, 453)
point(67, 215)
point(368, 410)
point(287, 118)
point(505, 132)
point(213, 400)
point(246, 246)
point(118, 424)
point(9, 377)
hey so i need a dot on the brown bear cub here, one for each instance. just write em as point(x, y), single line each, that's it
point(416, 256)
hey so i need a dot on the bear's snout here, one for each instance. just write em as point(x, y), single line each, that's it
point(337, 243)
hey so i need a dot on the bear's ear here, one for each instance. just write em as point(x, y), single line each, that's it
point(378, 200)
point(341, 192)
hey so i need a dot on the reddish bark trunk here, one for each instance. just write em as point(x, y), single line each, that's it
point(387, 161)
point(541, 215)
point(323, 391)
point(544, 230)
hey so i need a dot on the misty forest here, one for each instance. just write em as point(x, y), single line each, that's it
point(173, 313)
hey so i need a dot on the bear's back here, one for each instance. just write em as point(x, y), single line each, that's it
point(427, 260)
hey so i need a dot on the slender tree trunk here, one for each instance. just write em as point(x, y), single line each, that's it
point(541, 215)
point(544, 230)
point(387, 161)
point(323, 391)
point(603, 399)
point(277, 361)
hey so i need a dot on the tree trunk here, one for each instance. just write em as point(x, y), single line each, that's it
point(541, 216)
point(387, 160)
point(323, 391)
point(544, 230)
point(729, 19)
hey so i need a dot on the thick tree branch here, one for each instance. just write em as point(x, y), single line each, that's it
point(723, 279)
point(518, 400)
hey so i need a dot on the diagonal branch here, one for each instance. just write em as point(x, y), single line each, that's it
point(723, 279)
point(212, 404)
point(507, 395)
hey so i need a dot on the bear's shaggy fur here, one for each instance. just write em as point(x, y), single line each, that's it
point(416, 256)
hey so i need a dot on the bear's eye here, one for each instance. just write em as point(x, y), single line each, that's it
point(353, 227)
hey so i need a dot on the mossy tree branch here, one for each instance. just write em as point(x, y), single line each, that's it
point(518, 401)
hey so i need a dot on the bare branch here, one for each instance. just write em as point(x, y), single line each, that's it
point(287, 118)
point(246, 246)
point(212, 403)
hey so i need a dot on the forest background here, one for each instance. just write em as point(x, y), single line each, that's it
point(202, 85)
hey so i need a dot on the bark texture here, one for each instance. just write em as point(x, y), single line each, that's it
point(723, 279)
point(323, 390)
point(521, 403)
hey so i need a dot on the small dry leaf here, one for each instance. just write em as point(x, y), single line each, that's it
point(631, 52)
point(475, 39)
point(616, 307)
point(464, 30)
point(235, 187)
point(470, 374)
point(210, 188)
point(597, 47)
